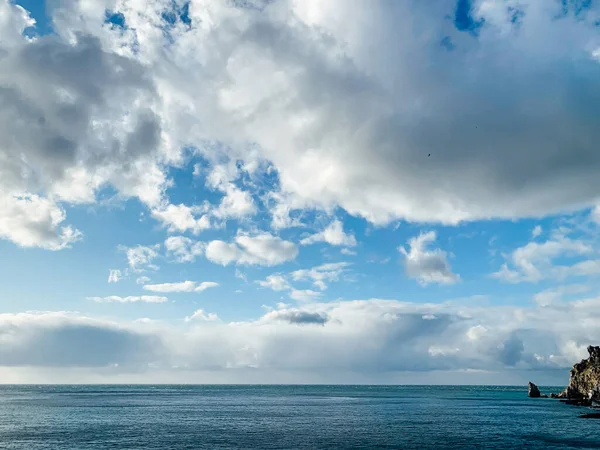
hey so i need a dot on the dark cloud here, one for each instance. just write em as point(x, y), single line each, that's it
point(300, 317)
point(55, 93)
point(511, 350)
point(75, 116)
point(76, 345)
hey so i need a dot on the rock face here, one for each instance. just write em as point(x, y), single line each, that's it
point(584, 382)
point(533, 391)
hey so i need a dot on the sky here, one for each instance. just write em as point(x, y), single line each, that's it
point(302, 191)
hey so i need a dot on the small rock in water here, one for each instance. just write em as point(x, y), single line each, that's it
point(590, 416)
point(533, 391)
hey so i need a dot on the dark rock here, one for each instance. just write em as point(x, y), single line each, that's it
point(584, 381)
point(544, 396)
point(590, 416)
point(533, 391)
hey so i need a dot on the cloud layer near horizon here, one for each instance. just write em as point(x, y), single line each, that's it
point(368, 337)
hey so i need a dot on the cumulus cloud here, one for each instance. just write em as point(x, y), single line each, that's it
point(184, 286)
point(304, 295)
point(140, 257)
point(334, 235)
point(184, 249)
point(67, 131)
point(129, 299)
point(200, 314)
point(535, 261)
point(29, 220)
point(114, 275)
point(142, 280)
point(319, 275)
point(553, 296)
point(275, 282)
point(181, 218)
point(261, 249)
point(537, 231)
point(425, 265)
point(235, 204)
point(206, 285)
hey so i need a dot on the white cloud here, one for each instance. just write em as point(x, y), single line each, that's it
point(283, 209)
point(553, 296)
point(32, 221)
point(319, 275)
point(537, 231)
point(334, 235)
point(261, 249)
point(184, 249)
point(142, 280)
point(200, 314)
point(206, 285)
point(347, 252)
point(241, 275)
point(275, 282)
point(425, 265)
point(114, 275)
point(304, 295)
point(535, 261)
point(141, 257)
point(596, 214)
point(181, 218)
point(184, 286)
point(235, 204)
point(129, 299)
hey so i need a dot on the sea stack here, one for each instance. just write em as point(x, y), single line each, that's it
point(533, 391)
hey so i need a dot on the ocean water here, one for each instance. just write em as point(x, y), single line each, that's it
point(287, 417)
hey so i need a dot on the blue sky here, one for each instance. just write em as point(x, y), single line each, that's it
point(261, 192)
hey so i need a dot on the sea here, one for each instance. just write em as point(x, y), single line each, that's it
point(287, 417)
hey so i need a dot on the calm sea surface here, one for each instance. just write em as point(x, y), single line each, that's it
point(286, 417)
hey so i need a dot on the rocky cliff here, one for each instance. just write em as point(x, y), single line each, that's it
point(584, 382)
